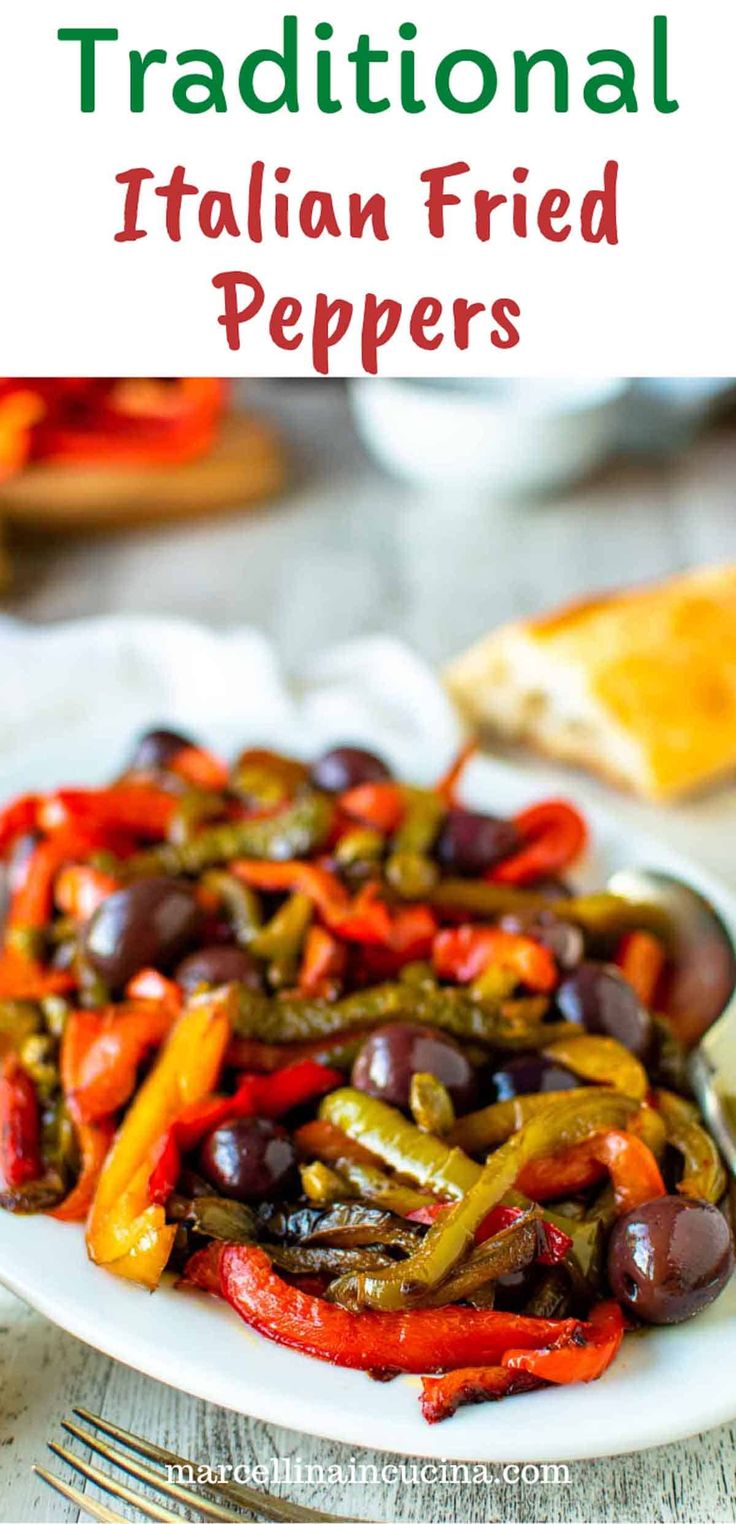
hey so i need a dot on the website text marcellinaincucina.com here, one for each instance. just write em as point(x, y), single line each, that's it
point(288, 1470)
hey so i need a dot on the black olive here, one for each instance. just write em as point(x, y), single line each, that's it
point(390, 1056)
point(598, 997)
point(670, 1258)
point(151, 924)
point(345, 767)
point(249, 1159)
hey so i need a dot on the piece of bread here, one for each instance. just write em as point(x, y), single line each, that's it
point(639, 685)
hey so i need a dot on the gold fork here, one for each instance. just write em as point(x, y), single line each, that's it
point(205, 1498)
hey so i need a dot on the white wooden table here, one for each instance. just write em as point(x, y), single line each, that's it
point(436, 574)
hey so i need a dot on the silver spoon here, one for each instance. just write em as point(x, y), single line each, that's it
point(700, 993)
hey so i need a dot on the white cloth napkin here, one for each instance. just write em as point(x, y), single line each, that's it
point(92, 684)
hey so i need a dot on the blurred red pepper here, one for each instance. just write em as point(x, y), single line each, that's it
point(447, 786)
point(138, 808)
point(23, 978)
point(641, 959)
point(20, 409)
point(80, 889)
point(20, 1130)
point(554, 834)
point(581, 1355)
point(323, 964)
point(463, 953)
point(423, 1340)
point(136, 421)
point(364, 919)
point(199, 767)
point(381, 806)
point(18, 818)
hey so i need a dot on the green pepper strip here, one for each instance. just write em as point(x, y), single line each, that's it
point(295, 1019)
point(479, 1131)
point(704, 1175)
point(410, 870)
point(450, 1237)
point(601, 914)
point(387, 1134)
point(281, 941)
point(511, 1249)
point(294, 832)
point(240, 904)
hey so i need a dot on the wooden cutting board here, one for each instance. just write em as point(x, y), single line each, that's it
point(246, 465)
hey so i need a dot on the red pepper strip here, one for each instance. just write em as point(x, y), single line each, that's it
point(18, 818)
point(94, 1143)
point(202, 1269)
point(443, 1395)
point(20, 1131)
point(136, 807)
point(633, 1169)
point(200, 768)
point(554, 1243)
point(425, 1339)
point(23, 978)
point(382, 806)
point(364, 919)
point(581, 1356)
point(107, 1074)
point(80, 890)
point(265, 1095)
point(447, 787)
point(463, 953)
point(32, 902)
point(324, 962)
point(641, 959)
point(554, 834)
point(81, 1030)
point(413, 931)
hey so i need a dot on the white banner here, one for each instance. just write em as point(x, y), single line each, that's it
point(344, 187)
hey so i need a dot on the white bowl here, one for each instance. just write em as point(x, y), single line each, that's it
point(502, 437)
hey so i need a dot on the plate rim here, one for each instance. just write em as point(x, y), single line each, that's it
point(296, 1409)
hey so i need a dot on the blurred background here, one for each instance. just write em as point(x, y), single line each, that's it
point(321, 510)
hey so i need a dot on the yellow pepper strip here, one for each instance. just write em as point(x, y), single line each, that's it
point(451, 1236)
point(704, 1176)
point(126, 1233)
point(479, 1131)
point(650, 1126)
point(387, 1134)
point(602, 1061)
point(431, 1105)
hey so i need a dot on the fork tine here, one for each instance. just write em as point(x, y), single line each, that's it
point(278, 1509)
point(150, 1478)
point(114, 1487)
point(88, 1505)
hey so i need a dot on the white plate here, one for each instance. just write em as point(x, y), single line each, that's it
point(666, 1384)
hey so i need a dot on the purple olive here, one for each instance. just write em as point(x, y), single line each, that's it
point(156, 749)
point(391, 1055)
point(597, 997)
point(345, 767)
point(151, 924)
point(670, 1258)
point(218, 965)
point(531, 1074)
point(249, 1159)
point(563, 939)
point(470, 843)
